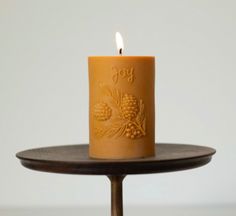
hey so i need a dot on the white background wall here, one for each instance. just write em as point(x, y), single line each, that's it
point(44, 93)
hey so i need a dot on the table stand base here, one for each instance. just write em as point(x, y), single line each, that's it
point(74, 159)
point(116, 194)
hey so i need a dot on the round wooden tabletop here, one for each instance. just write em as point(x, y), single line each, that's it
point(74, 159)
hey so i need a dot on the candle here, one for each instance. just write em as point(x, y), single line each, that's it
point(121, 105)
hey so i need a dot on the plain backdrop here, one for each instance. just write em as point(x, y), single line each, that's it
point(44, 47)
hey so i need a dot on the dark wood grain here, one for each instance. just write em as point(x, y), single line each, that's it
point(74, 159)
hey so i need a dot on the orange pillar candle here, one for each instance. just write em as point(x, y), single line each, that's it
point(121, 101)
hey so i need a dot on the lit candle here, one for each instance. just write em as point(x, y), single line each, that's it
point(119, 43)
point(122, 106)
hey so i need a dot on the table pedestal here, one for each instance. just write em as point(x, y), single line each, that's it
point(116, 194)
point(74, 159)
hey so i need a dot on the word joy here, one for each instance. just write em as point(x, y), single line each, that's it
point(123, 73)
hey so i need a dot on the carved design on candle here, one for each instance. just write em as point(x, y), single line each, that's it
point(129, 106)
point(127, 120)
point(102, 111)
point(123, 73)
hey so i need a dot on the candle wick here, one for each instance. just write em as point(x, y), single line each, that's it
point(120, 51)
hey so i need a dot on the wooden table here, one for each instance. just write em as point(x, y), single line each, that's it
point(74, 159)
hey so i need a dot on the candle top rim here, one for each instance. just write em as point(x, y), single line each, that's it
point(121, 56)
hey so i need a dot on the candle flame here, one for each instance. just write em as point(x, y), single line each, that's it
point(119, 43)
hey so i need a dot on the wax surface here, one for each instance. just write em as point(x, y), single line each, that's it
point(122, 106)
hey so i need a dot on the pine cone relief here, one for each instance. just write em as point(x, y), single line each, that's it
point(122, 115)
point(129, 106)
point(102, 111)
